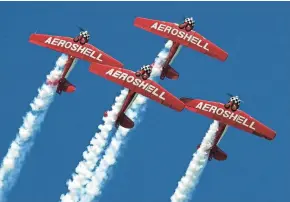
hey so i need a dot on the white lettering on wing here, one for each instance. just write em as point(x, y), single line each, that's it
point(241, 120)
point(144, 85)
point(180, 34)
point(82, 49)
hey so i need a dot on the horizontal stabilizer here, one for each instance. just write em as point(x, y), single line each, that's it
point(65, 86)
point(218, 154)
point(126, 122)
point(172, 73)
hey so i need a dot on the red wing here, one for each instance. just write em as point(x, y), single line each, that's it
point(238, 119)
point(190, 39)
point(148, 88)
point(67, 46)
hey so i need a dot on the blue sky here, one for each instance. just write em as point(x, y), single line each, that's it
point(256, 36)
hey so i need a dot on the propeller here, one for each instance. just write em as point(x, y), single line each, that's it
point(231, 95)
point(81, 29)
point(183, 18)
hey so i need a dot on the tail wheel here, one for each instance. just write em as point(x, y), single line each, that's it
point(188, 28)
point(76, 39)
point(227, 106)
point(162, 76)
point(83, 41)
point(210, 156)
point(234, 107)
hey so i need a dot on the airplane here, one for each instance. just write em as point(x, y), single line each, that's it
point(227, 115)
point(182, 34)
point(76, 48)
point(136, 85)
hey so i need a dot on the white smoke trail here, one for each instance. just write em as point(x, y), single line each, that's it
point(19, 148)
point(189, 181)
point(80, 184)
point(83, 171)
point(93, 188)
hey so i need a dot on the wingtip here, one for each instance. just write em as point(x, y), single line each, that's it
point(225, 57)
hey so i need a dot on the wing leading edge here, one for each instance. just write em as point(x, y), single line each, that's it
point(237, 119)
point(191, 39)
point(147, 88)
point(67, 46)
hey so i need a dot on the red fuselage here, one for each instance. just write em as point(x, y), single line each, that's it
point(215, 151)
point(63, 83)
point(67, 66)
point(166, 65)
point(128, 101)
point(219, 134)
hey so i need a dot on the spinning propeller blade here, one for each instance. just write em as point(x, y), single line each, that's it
point(81, 29)
point(230, 95)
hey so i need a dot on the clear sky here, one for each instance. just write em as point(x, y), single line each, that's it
point(256, 36)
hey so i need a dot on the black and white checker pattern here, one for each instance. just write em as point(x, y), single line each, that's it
point(85, 34)
point(235, 99)
point(190, 21)
point(147, 69)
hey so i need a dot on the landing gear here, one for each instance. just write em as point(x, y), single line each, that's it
point(138, 73)
point(183, 25)
point(234, 107)
point(228, 105)
point(76, 39)
point(188, 24)
point(188, 28)
point(83, 41)
point(144, 72)
point(145, 76)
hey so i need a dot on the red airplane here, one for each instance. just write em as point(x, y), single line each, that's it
point(75, 48)
point(136, 85)
point(181, 34)
point(227, 115)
